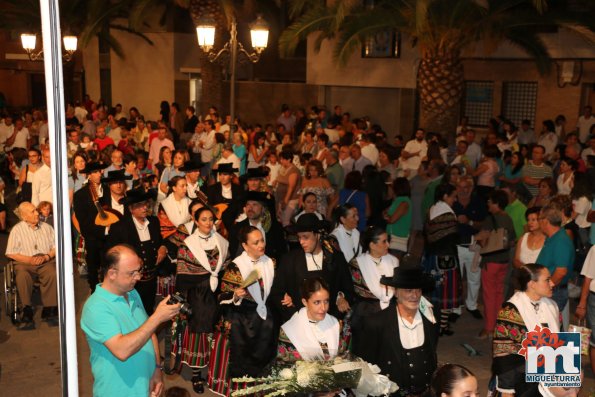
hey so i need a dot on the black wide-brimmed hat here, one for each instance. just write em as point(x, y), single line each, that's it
point(192, 165)
point(258, 172)
point(115, 176)
point(308, 223)
point(409, 278)
point(92, 167)
point(261, 197)
point(226, 168)
point(138, 196)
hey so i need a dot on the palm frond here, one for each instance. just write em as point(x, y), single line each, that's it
point(315, 20)
point(131, 31)
point(298, 7)
point(139, 10)
point(361, 26)
point(115, 46)
point(533, 45)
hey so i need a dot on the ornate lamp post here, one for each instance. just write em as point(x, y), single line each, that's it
point(233, 49)
point(29, 40)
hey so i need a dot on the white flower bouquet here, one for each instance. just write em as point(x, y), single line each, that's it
point(319, 376)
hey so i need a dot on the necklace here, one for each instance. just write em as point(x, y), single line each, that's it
point(206, 239)
point(376, 262)
point(410, 326)
point(179, 205)
point(536, 306)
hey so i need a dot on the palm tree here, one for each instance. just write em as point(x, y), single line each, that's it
point(84, 18)
point(221, 12)
point(216, 11)
point(441, 29)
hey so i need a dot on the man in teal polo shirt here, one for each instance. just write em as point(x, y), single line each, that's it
point(557, 254)
point(124, 348)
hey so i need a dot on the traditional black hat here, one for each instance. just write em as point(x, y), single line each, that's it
point(409, 278)
point(192, 165)
point(262, 197)
point(225, 168)
point(138, 196)
point(258, 172)
point(92, 167)
point(308, 223)
point(116, 175)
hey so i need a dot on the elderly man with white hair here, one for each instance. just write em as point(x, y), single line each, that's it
point(31, 246)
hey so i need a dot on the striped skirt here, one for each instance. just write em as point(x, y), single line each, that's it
point(218, 378)
point(448, 293)
point(195, 348)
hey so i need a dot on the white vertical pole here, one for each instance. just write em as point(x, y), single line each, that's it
point(52, 50)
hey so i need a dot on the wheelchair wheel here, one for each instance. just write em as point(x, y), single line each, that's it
point(10, 294)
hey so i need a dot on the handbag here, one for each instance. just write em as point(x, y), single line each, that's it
point(585, 335)
point(497, 240)
point(398, 243)
point(446, 262)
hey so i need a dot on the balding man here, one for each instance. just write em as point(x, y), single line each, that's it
point(31, 246)
point(124, 349)
point(41, 185)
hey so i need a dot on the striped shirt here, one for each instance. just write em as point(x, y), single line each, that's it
point(27, 240)
point(537, 172)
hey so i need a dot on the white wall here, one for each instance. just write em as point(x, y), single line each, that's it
point(146, 76)
point(362, 72)
point(91, 67)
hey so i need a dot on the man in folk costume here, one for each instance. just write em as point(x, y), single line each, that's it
point(402, 339)
point(192, 170)
point(257, 208)
point(85, 204)
point(316, 257)
point(226, 192)
point(255, 179)
point(116, 182)
point(142, 232)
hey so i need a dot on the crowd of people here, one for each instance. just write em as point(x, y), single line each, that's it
point(303, 240)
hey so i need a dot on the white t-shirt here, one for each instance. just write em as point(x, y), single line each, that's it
point(274, 172)
point(586, 153)
point(584, 125)
point(20, 140)
point(5, 132)
point(589, 268)
point(371, 153)
point(582, 206)
point(413, 163)
point(116, 135)
point(41, 185)
point(233, 159)
point(333, 134)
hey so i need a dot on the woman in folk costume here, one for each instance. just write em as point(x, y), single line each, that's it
point(245, 340)
point(311, 333)
point(440, 256)
point(201, 258)
point(173, 211)
point(527, 308)
point(165, 281)
point(346, 219)
point(366, 270)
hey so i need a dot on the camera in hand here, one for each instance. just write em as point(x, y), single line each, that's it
point(184, 305)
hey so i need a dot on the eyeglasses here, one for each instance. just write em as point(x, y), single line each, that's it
point(135, 273)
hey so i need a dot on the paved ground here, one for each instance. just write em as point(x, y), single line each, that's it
point(30, 365)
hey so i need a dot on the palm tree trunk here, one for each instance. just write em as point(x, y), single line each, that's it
point(440, 85)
